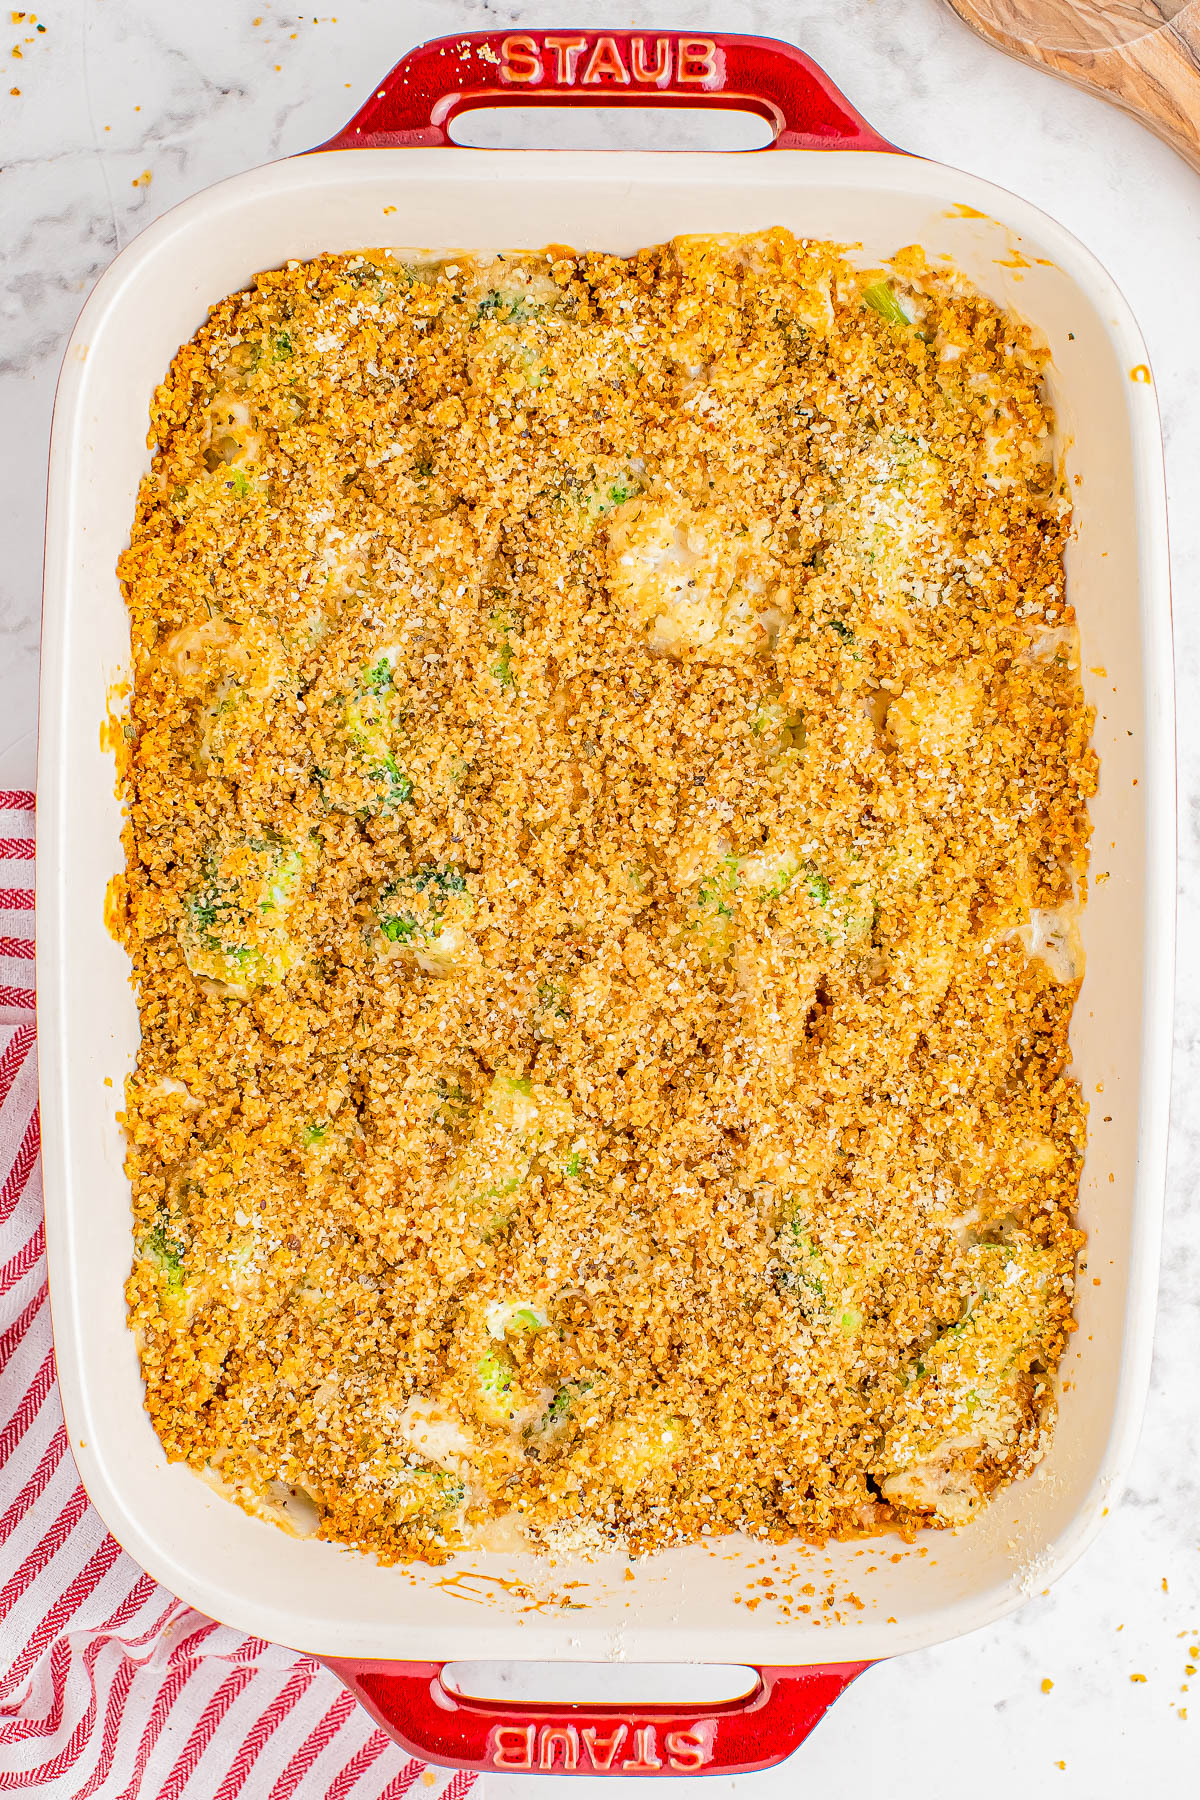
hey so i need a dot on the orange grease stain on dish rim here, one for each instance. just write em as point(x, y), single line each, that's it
point(116, 730)
point(458, 1585)
point(116, 906)
point(112, 731)
point(966, 212)
point(487, 1593)
point(1140, 372)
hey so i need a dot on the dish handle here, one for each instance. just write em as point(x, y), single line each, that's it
point(429, 1720)
point(448, 76)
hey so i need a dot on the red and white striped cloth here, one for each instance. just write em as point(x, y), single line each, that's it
point(109, 1685)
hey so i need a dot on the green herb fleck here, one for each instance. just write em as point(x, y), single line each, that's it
point(399, 787)
point(502, 667)
point(818, 886)
point(512, 308)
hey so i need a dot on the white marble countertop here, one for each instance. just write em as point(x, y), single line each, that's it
point(126, 106)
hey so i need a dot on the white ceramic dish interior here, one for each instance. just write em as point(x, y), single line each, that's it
point(681, 1605)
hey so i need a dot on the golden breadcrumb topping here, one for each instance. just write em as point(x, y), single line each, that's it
point(607, 794)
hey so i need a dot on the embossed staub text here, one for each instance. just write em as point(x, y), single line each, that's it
point(631, 1749)
point(571, 59)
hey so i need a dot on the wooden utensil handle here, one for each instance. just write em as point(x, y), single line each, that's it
point(1156, 76)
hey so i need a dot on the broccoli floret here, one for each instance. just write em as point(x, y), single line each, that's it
point(550, 1010)
point(848, 913)
point(235, 928)
point(498, 1391)
point(397, 788)
point(504, 624)
point(451, 1104)
point(509, 1129)
point(818, 886)
point(606, 495)
point(564, 1400)
point(399, 928)
point(426, 914)
point(419, 1492)
point(511, 308)
point(438, 886)
point(768, 874)
point(829, 1287)
point(365, 774)
point(806, 1273)
point(963, 1393)
point(167, 1257)
point(371, 725)
point(716, 890)
point(782, 731)
point(502, 667)
point(495, 1375)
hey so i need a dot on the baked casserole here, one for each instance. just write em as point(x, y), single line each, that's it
point(607, 775)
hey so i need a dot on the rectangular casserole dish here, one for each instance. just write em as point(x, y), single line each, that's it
point(833, 178)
